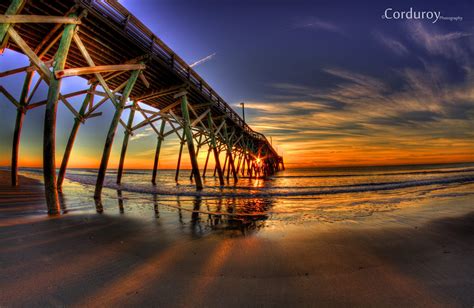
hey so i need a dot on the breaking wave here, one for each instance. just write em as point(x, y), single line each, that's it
point(279, 191)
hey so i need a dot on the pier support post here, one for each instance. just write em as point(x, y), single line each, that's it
point(250, 166)
point(238, 164)
point(229, 151)
point(215, 166)
point(49, 137)
point(224, 168)
point(197, 154)
point(214, 149)
point(157, 153)
point(20, 115)
point(205, 164)
point(189, 138)
point(228, 166)
point(111, 134)
point(125, 142)
point(176, 177)
point(72, 138)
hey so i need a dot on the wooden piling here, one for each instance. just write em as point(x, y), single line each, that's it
point(176, 177)
point(189, 139)
point(214, 149)
point(72, 138)
point(111, 134)
point(197, 154)
point(49, 138)
point(228, 166)
point(20, 115)
point(125, 142)
point(207, 160)
point(238, 164)
point(250, 166)
point(157, 152)
point(224, 168)
point(229, 151)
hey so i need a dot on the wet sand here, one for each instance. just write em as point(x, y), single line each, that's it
point(409, 257)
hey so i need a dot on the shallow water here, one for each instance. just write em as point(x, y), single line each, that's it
point(291, 196)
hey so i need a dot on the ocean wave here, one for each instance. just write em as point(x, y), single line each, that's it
point(279, 191)
point(375, 174)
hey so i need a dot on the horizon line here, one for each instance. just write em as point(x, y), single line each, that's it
point(289, 167)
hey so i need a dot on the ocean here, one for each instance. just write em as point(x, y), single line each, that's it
point(290, 196)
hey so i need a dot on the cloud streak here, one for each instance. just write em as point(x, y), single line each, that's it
point(143, 134)
point(319, 24)
point(447, 44)
point(391, 44)
point(203, 60)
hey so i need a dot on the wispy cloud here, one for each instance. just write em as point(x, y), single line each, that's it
point(360, 79)
point(421, 116)
point(447, 44)
point(203, 60)
point(390, 43)
point(319, 24)
point(143, 134)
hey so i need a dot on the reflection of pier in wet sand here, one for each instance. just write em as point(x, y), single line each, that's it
point(216, 213)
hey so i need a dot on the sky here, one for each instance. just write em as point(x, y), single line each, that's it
point(333, 83)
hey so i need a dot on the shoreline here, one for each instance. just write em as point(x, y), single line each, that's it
point(422, 255)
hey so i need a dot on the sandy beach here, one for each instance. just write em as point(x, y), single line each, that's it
point(419, 256)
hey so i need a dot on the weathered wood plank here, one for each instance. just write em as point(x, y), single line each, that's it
point(97, 69)
point(13, 19)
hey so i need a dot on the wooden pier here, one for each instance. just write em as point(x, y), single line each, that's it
point(128, 66)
